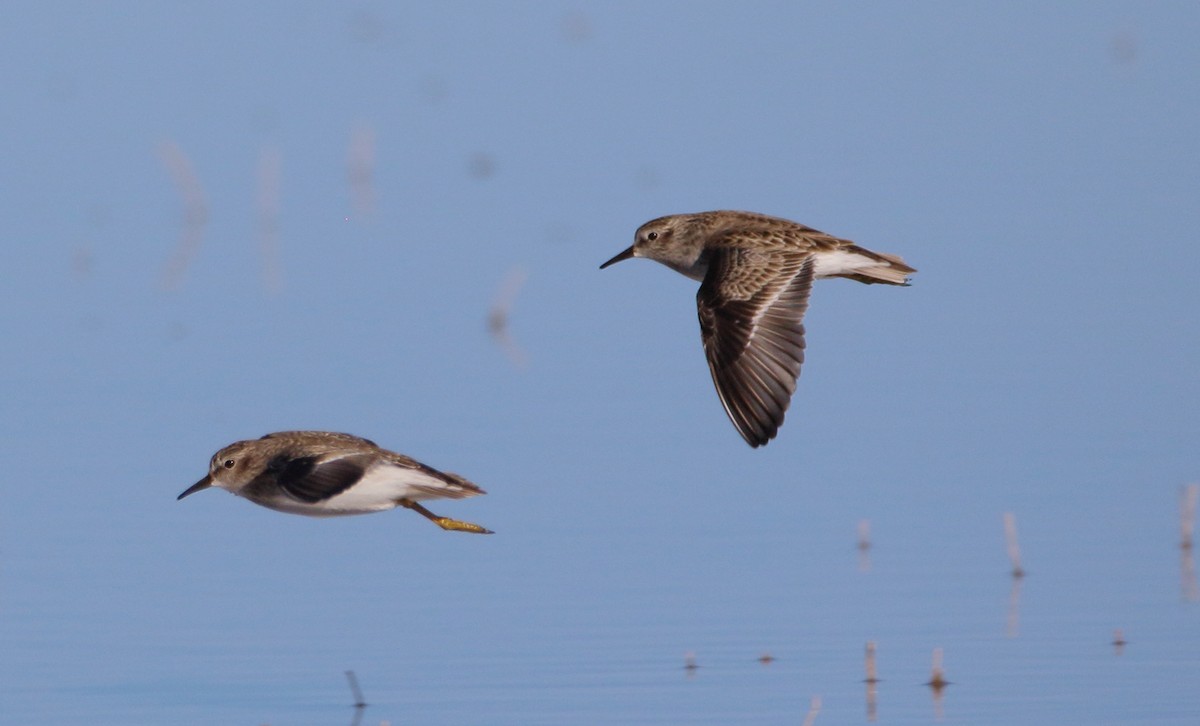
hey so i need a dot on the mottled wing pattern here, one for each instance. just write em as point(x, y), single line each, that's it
point(751, 306)
point(313, 479)
point(329, 439)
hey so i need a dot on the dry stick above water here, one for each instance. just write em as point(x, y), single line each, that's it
point(359, 701)
point(1188, 498)
point(937, 677)
point(937, 683)
point(1014, 549)
point(872, 676)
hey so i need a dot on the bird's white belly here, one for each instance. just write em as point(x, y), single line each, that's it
point(379, 490)
point(839, 262)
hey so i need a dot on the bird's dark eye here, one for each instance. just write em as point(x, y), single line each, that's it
point(652, 236)
point(228, 463)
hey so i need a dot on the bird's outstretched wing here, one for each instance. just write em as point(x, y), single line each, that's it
point(751, 306)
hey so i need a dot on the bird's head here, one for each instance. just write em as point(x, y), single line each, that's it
point(670, 240)
point(230, 469)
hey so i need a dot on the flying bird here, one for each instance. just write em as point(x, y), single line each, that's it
point(326, 474)
point(755, 273)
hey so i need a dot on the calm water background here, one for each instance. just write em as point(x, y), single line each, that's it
point(1038, 163)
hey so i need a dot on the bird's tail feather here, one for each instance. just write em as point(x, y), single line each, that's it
point(891, 271)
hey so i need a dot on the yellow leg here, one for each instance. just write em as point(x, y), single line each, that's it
point(452, 525)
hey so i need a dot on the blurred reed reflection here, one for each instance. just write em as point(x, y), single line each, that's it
point(1188, 499)
point(872, 681)
point(1012, 626)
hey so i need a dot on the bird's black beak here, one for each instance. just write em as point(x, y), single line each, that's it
point(623, 256)
point(204, 483)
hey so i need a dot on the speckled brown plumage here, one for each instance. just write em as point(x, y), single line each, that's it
point(756, 275)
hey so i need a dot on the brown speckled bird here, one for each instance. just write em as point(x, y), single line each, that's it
point(756, 274)
point(326, 474)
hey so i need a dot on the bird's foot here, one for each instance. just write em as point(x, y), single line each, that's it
point(446, 523)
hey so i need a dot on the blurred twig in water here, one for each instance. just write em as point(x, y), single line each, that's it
point(1188, 499)
point(689, 664)
point(1014, 548)
point(864, 545)
point(81, 262)
point(499, 314)
point(813, 709)
point(195, 211)
point(360, 703)
point(937, 683)
point(872, 675)
point(872, 681)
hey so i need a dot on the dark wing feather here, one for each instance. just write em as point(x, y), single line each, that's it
point(751, 305)
point(313, 479)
